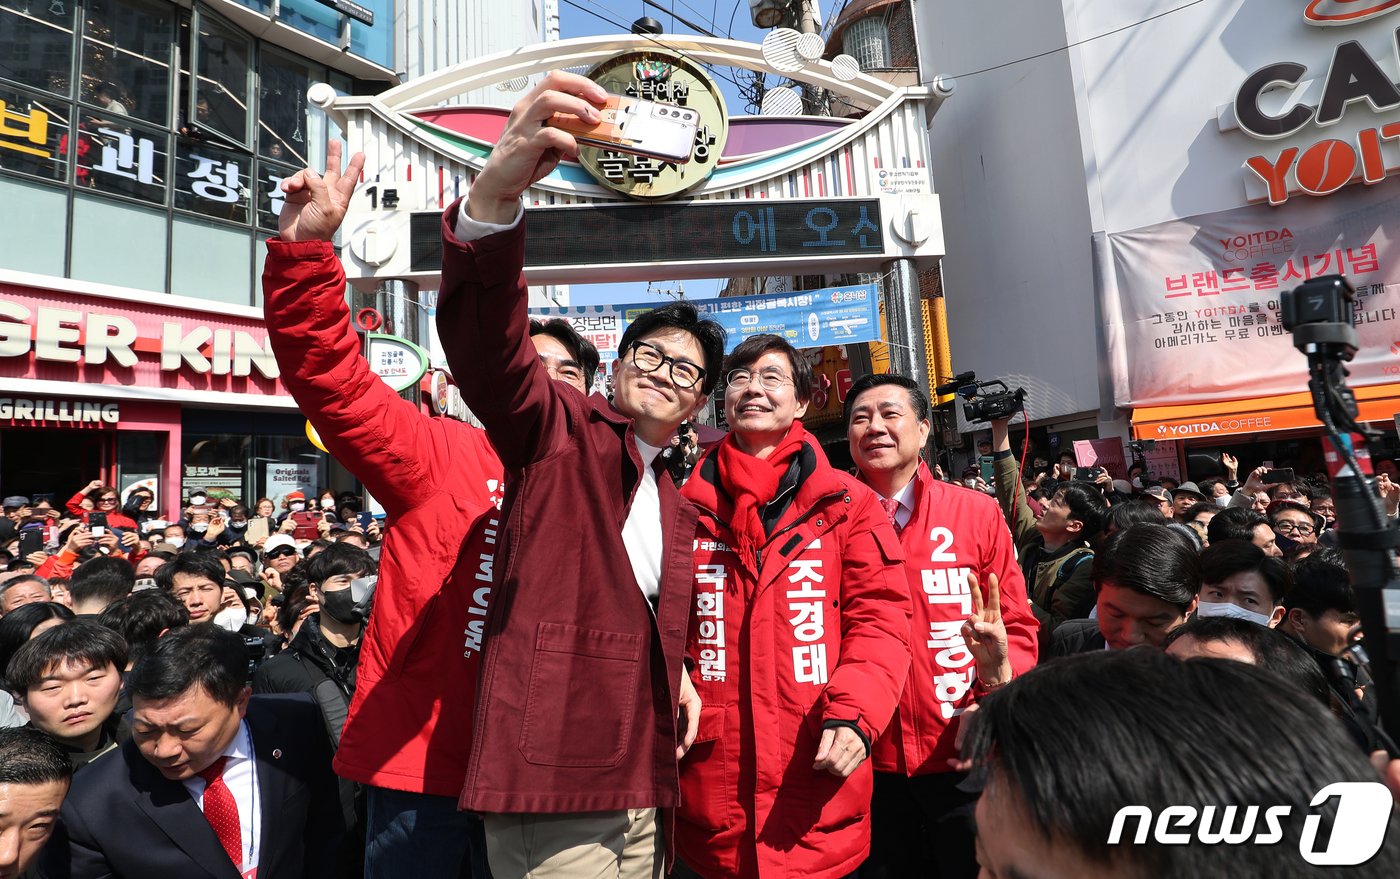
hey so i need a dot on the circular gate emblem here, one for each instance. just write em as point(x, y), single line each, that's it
point(666, 78)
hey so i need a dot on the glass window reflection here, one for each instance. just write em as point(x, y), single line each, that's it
point(34, 135)
point(212, 182)
point(36, 44)
point(123, 158)
point(126, 59)
point(221, 91)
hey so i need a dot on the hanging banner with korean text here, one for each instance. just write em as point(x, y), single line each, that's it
point(1192, 306)
point(809, 319)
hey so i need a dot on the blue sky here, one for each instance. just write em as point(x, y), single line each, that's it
point(583, 18)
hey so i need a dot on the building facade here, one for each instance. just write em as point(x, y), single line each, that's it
point(142, 143)
point(1129, 188)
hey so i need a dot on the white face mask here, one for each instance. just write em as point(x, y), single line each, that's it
point(231, 618)
point(1226, 609)
point(297, 506)
point(144, 583)
point(197, 500)
point(176, 542)
point(328, 504)
point(1223, 501)
point(199, 527)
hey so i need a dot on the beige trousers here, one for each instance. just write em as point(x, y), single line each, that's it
point(625, 844)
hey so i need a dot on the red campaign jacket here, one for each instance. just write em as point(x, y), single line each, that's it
point(410, 723)
point(576, 710)
point(820, 633)
point(953, 531)
point(115, 518)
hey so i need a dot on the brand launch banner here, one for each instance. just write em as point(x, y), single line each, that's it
point(1192, 305)
point(809, 319)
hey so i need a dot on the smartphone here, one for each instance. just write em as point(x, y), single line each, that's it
point(1274, 477)
point(642, 128)
point(97, 524)
point(365, 518)
point(31, 540)
point(306, 525)
point(258, 528)
point(985, 465)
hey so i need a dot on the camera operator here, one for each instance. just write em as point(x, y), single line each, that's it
point(1053, 550)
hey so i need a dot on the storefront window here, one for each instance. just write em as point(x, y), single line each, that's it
point(123, 158)
point(221, 92)
point(272, 460)
point(36, 242)
point(34, 134)
point(271, 198)
point(212, 182)
point(283, 129)
point(312, 17)
point(126, 59)
point(211, 261)
point(103, 232)
point(36, 44)
point(375, 42)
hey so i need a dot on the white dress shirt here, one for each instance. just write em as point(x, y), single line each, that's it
point(241, 777)
point(905, 498)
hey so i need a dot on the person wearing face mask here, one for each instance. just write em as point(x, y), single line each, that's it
point(324, 656)
point(1294, 526)
point(295, 502)
point(1238, 579)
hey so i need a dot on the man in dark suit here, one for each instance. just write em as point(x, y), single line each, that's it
point(213, 782)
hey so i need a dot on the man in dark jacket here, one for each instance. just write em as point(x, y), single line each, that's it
point(576, 724)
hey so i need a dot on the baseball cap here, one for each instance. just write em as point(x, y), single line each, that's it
point(1158, 492)
point(14, 502)
point(295, 496)
point(1123, 486)
point(279, 541)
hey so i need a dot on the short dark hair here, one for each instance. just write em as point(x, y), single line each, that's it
point(1137, 705)
point(918, 400)
point(751, 349)
point(1320, 585)
point(1086, 504)
point(79, 642)
point(1234, 523)
point(205, 655)
point(681, 316)
point(27, 756)
point(20, 623)
point(1200, 507)
point(141, 617)
point(1135, 512)
point(338, 559)
point(1153, 560)
point(1272, 650)
point(102, 579)
point(563, 332)
point(1221, 561)
point(205, 564)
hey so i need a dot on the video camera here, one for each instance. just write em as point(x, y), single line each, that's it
point(1321, 316)
point(979, 404)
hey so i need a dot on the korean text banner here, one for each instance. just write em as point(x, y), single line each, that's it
point(809, 319)
point(1191, 306)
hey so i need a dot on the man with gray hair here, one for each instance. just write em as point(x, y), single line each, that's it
point(22, 589)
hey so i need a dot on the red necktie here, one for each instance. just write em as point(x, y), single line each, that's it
point(222, 812)
point(891, 508)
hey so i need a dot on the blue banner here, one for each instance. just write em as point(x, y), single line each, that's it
point(807, 319)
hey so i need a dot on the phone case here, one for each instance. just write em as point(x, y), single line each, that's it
point(643, 128)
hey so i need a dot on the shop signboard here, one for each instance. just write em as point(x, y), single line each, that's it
point(1163, 460)
point(1106, 453)
point(283, 478)
point(219, 482)
point(45, 412)
point(807, 319)
point(398, 361)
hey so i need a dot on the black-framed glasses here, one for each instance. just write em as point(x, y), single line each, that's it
point(768, 379)
point(649, 358)
point(1284, 526)
point(107, 500)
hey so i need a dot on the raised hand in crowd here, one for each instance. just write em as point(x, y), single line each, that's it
point(1231, 465)
point(79, 539)
point(529, 149)
point(130, 540)
point(272, 579)
point(374, 532)
point(217, 525)
point(1104, 480)
point(287, 526)
point(316, 203)
point(37, 558)
point(1255, 482)
point(1390, 493)
point(109, 540)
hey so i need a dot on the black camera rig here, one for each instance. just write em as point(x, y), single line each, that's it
point(984, 401)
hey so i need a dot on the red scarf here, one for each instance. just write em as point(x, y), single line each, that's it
point(753, 483)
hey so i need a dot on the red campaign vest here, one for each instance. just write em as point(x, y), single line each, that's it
point(953, 532)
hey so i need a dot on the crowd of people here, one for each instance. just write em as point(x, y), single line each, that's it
point(576, 649)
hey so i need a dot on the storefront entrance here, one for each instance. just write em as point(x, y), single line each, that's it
point(53, 462)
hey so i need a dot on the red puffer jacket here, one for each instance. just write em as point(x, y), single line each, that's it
point(410, 724)
point(818, 634)
point(953, 531)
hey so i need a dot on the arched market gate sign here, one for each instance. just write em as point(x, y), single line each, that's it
point(786, 195)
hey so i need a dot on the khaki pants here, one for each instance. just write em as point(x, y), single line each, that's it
point(625, 844)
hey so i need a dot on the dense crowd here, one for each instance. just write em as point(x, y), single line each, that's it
point(586, 646)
